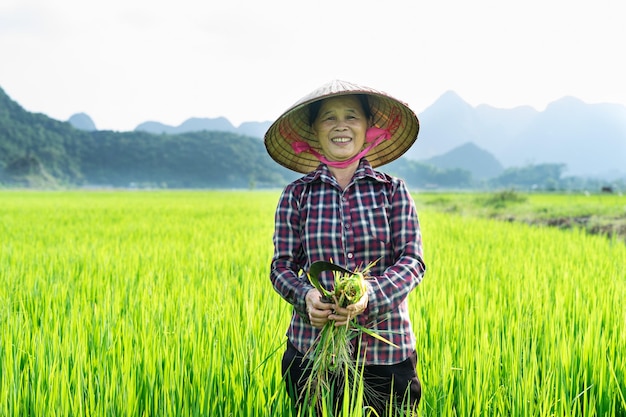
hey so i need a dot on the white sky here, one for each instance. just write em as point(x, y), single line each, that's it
point(124, 62)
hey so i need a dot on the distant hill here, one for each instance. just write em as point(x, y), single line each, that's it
point(480, 163)
point(82, 121)
point(589, 138)
point(254, 129)
point(194, 124)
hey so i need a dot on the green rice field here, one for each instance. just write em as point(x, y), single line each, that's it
point(158, 303)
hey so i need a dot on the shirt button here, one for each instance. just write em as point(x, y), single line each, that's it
point(347, 226)
point(350, 255)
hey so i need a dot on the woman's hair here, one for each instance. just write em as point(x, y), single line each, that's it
point(314, 108)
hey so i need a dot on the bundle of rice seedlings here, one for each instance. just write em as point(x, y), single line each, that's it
point(333, 362)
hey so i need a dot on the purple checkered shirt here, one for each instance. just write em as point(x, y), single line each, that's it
point(374, 218)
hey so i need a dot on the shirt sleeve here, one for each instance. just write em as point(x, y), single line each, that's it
point(387, 291)
point(288, 261)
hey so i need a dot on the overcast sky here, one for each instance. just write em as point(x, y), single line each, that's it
point(124, 62)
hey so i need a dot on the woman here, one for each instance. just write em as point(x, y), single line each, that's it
point(345, 211)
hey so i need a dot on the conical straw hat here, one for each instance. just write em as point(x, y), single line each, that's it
point(293, 126)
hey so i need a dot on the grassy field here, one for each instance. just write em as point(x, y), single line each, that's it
point(159, 304)
point(601, 214)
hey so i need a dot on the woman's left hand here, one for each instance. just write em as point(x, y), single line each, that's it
point(342, 315)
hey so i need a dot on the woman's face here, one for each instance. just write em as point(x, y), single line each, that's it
point(340, 127)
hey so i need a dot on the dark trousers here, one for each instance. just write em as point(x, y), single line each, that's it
point(385, 384)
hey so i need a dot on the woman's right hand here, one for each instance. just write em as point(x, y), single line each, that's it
point(317, 309)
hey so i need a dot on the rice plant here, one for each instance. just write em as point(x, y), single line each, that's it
point(159, 304)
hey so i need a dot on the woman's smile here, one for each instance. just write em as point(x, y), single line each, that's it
point(341, 140)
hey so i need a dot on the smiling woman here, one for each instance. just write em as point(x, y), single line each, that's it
point(345, 211)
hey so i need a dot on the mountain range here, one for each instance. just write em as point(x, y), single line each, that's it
point(590, 139)
point(458, 147)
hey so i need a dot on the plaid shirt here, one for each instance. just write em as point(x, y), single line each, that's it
point(373, 218)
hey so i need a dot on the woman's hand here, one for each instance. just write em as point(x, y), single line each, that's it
point(342, 316)
point(318, 310)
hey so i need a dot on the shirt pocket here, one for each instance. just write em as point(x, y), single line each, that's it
point(375, 219)
point(379, 222)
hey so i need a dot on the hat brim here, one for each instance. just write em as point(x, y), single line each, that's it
point(387, 112)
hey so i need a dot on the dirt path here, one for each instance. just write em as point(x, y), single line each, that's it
point(609, 227)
